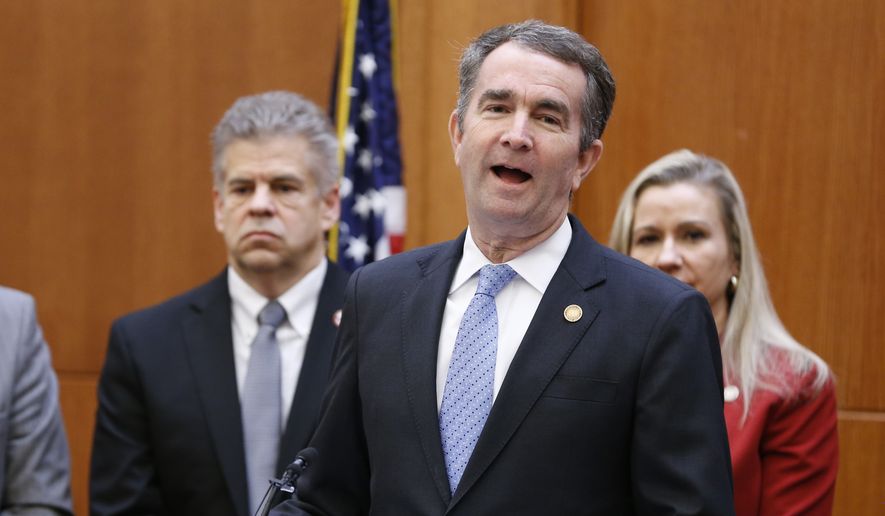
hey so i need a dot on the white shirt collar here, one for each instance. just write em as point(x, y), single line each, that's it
point(536, 266)
point(247, 299)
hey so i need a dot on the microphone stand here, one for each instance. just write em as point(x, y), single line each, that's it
point(284, 484)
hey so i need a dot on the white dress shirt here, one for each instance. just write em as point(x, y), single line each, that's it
point(516, 303)
point(300, 303)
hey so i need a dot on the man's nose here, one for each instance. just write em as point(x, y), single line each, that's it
point(262, 201)
point(669, 259)
point(517, 135)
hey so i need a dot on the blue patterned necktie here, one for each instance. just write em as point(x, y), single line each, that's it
point(262, 404)
point(467, 398)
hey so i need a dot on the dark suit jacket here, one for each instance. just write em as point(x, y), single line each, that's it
point(168, 435)
point(617, 413)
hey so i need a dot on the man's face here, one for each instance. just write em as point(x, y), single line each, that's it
point(519, 150)
point(269, 209)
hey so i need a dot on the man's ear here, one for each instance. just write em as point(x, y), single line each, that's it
point(217, 204)
point(455, 135)
point(330, 207)
point(586, 161)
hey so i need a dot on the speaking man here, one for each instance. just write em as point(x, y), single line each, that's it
point(522, 368)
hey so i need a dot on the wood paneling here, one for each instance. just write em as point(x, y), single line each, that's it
point(792, 96)
point(78, 404)
point(860, 487)
point(107, 108)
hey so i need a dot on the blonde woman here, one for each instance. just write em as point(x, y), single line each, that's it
point(685, 215)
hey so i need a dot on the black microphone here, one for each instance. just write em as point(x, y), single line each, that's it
point(286, 483)
point(294, 470)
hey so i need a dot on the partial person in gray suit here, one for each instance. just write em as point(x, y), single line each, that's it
point(34, 462)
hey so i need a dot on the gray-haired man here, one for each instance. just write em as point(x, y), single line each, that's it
point(206, 396)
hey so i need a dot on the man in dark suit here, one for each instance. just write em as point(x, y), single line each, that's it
point(189, 385)
point(574, 381)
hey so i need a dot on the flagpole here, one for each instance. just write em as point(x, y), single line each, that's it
point(350, 10)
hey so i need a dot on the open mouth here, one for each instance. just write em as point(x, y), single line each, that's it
point(511, 175)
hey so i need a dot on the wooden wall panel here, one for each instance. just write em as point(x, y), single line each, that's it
point(860, 487)
point(790, 95)
point(78, 401)
point(106, 186)
point(107, 159)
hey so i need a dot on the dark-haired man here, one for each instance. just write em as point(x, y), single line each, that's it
point(522, 368)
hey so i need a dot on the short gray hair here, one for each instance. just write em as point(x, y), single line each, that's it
point(279, 113)
point(559, 43)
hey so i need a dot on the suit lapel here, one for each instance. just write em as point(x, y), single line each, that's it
point(548, 342)
point(207, 336)
point(422, 311)
point(314, 373)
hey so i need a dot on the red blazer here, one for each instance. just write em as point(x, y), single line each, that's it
point(785, 455)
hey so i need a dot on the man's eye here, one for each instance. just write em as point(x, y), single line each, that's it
point(547, 119)
point(496, 109)
point(285, 188)
point(240, 190)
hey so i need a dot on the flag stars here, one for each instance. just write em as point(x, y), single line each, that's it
point(368, 65)
point(370, 189)
point(372, 202)
point(345, 186)
point(377, 201)
point(357, 249)
point(350, 140)
point(362, 205)
point(364, 161)
point(343, 234)
point(367, 112)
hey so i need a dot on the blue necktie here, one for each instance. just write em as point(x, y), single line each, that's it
point(262, 404)
point(467, 398)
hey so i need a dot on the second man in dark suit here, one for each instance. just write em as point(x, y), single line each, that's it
point(205, 397)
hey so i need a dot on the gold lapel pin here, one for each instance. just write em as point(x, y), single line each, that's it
point(572, 313)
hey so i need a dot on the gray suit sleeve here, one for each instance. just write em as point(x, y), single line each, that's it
point(36, 472)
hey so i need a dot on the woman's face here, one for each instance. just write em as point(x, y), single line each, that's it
point(678, 228)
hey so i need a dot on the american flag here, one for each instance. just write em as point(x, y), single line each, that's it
point(373, 200)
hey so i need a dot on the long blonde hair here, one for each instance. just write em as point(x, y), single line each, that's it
point(755, 343)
